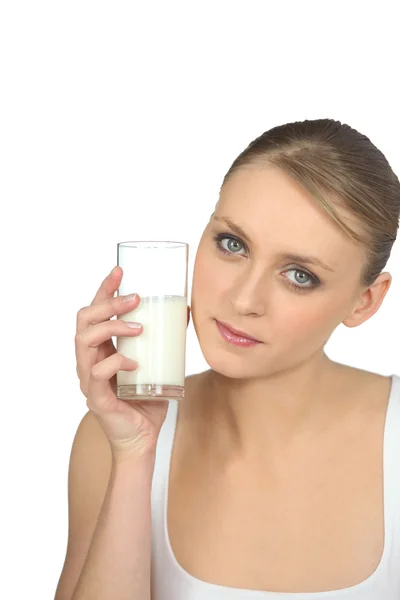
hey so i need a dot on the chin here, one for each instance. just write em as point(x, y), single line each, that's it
point(225, 363)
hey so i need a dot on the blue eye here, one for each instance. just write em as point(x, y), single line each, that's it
point(219, 237)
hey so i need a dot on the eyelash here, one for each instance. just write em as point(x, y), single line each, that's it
point(315, 281)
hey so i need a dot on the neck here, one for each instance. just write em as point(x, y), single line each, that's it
point(253, 418)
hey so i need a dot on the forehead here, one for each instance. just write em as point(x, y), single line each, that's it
point(278, 214)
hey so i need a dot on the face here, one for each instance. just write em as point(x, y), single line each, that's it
point(290, 305)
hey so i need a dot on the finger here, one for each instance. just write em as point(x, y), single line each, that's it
point(89, 339)
point(92, 337)
point(109, 285)
point(109, 307)
point(100, 394)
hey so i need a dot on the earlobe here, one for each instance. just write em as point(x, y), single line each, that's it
point(354, 320)
point(356, 317)
point(367, 307)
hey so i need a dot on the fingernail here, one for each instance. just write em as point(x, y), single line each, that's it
point(129, 297)
point(112, 272)
point(133, 325)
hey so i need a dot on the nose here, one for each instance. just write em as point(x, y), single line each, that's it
point(249, 295)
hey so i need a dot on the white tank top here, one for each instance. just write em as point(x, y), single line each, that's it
point(171, 582)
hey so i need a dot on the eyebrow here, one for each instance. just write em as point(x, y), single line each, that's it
point(314, 260)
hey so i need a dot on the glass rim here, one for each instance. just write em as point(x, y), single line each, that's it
point(157, 243)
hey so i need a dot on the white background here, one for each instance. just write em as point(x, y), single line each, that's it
point(118, 122)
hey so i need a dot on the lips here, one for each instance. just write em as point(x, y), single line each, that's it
point(237, 332)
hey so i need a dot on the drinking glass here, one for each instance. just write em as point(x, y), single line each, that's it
point(157, 272)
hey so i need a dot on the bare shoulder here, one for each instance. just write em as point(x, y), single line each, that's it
point(371, 389)
point(90, 464)
point(194, 378)
point(367, 378)
point(91, 436)
point(193, 386)
point(88, 476)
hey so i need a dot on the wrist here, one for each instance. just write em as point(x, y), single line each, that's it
point(144, 456)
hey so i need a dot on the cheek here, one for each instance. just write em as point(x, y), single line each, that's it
point(216, 290)
point(206, 290)
point(307, 322)
point(208, 276)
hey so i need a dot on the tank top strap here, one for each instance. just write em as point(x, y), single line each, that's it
point(391, 453)
point(161, 471)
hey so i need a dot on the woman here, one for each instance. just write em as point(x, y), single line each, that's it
point(277, 475)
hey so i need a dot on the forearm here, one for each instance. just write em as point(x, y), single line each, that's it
point(117, 566)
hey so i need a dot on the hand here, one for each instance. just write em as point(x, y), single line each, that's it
point(132, 427)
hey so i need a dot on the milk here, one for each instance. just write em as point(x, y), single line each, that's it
point(159, 349)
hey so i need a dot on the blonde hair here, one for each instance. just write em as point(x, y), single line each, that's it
point(336, 164)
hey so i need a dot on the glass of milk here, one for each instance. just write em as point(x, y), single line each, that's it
point(157, 272)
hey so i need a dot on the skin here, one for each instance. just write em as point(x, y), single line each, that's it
point(267, 398)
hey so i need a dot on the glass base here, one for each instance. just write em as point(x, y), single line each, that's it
point(150, 391)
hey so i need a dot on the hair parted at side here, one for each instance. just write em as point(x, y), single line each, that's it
point(336, 164)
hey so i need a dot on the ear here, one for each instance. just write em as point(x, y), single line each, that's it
point(369, 302)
